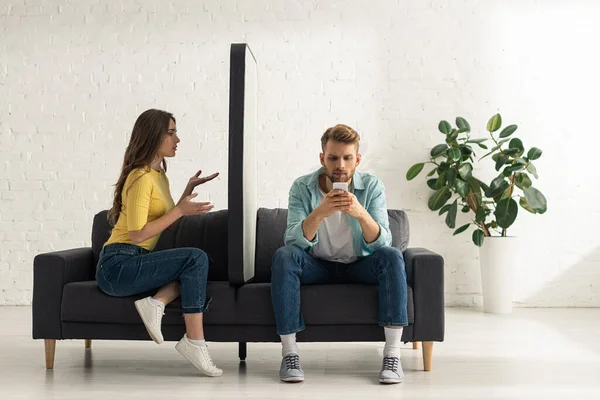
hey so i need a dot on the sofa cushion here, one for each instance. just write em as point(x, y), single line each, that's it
point(341, 304)
point(271, 225)
point(209, 233)
point(85, 302)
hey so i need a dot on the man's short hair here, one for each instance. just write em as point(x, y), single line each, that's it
point(340, 133)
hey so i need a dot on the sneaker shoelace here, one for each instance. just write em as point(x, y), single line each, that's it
point(292, 361)
point(207, 356)
point(160, 311)
point(391, 363)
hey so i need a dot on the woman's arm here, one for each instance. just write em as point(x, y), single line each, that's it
point(155, 227)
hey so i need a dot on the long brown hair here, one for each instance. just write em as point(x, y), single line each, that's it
point(148, 133)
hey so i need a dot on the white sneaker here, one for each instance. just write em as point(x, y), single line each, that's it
point(151, 315)
point(391, 370)
point(198, 356)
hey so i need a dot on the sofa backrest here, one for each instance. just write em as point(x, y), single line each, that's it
point(271, 226)
point(207, 232)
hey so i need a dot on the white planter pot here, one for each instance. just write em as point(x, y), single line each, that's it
point(497, 260)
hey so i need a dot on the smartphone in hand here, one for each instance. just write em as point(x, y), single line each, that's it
point(340, 186)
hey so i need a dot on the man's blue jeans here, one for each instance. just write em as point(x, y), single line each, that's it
point(293, 267)
point(126, 269)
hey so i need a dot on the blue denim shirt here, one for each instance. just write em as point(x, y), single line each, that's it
point(304, 198)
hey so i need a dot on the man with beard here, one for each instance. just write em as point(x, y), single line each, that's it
point(338, 236)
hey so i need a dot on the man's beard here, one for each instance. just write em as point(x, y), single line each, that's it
point(341, 178)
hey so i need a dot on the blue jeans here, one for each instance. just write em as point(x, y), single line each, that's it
point(292, 267)
point(126, 269)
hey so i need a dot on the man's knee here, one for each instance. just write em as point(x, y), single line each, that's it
point(285, 258)
point(389, 253)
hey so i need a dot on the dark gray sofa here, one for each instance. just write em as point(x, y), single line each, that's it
point(67, 304)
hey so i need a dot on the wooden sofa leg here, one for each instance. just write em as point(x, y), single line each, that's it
point(50, 347)
point(88, 343)
point(243, 351)
point(427, 355)
point(415, 345)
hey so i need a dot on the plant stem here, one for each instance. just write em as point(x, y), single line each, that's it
point(511, 188)
point(500, 147)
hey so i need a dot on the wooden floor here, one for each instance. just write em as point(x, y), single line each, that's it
point(531, 354)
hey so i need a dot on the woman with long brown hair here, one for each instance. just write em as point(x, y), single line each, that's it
point(142, 209)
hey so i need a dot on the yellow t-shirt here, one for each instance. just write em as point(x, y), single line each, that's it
point(145, 197)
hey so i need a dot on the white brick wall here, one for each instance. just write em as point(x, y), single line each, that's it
point(74, 75)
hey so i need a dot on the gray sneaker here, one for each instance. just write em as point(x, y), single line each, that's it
point(391, 370)
point(290, 370)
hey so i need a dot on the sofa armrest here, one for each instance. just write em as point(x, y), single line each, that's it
point(51, 271)
point(425, 274)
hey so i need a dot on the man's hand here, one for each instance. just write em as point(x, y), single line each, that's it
point(355, 209)
point(335, 200)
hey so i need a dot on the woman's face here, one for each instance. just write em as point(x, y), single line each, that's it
point(168, 146)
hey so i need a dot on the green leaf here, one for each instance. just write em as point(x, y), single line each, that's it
point(465, 209)
point(506, 212)
point(536, 199)
point(451, 176)
point(481, 185)
point(478, 237)
point(504, 195)
point(508, 171)
point(444, 127)
point(466, 151)
point(532, 170)
point(433, 184)
point(521, 161)
point(441, 181)
point(451, 216)
point(439, 198)
point(497, 187)
point(462, 124)
point(494, 123)
point(512, 152)
point(444, 209)
point(414, 171)
point(475, 193)
point(534, 153)
point(452, 136)
point(499, 145)
point(461, 187)
point(483, 146)
point(525, 204)
point(491, 152)
point(476, 140)
point(465, 171)
point(500, 161)
point(444, 166)
point(481, 214)
point(461, 229)
point(454, 154)
point(515, 143)
point(509, 130)
point(432, 172)
point(522, 181)
point(438, 150)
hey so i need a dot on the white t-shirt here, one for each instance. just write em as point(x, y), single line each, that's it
point(335, 238)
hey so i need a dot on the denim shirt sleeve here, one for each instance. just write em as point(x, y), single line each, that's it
point(377, 207)
point(298, 210)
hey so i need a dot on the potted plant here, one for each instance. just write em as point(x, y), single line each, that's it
point(492, 207)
